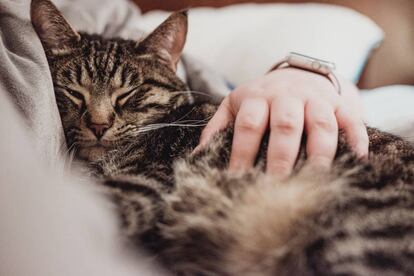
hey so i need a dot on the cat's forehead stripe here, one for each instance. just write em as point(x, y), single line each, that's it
point(124, 75)
point(79, 73)
point(109, 56)
point(118, 51)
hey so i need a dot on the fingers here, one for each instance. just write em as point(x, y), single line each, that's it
point(251, 123)
point(355, 131)
point(219, 121)
point(322, 131)
point(286, 127)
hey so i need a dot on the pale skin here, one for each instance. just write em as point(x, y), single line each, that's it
point(289, 102)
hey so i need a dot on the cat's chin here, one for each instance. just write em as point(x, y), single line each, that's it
point(93, 153)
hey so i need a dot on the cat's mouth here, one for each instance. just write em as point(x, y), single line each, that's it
point(94, 150)
point(98, 143)
point(92, 153)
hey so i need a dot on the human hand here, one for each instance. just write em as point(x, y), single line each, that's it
point(289, 101)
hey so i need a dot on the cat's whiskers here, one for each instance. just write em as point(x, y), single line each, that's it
point(188, 123)
point(125, 129)
point(180, 122)
point(193, 92)
point(71, 150)
point(83, 114)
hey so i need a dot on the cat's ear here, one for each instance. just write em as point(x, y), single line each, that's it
point(168, 39)
point(54, 31)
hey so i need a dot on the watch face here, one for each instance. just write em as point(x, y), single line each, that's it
point(310, 63)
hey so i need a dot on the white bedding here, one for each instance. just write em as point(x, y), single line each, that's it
point(244, 41)
point(391, 109)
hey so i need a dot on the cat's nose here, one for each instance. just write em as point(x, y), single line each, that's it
point(99, 129)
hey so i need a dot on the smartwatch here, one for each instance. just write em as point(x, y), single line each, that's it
point(311, 64)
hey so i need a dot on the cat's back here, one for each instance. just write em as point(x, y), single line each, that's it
point(356, 219)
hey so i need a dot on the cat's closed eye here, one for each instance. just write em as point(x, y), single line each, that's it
point(123, 98)
point(76, 94)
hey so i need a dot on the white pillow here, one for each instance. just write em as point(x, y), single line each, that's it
point(390, 108)
point(244, 41)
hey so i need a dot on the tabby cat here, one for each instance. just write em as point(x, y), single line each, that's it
point(127, 114)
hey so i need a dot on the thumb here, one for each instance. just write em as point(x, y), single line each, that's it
point(219, 121)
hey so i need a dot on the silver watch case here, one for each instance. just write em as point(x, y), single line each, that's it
point(311, 64)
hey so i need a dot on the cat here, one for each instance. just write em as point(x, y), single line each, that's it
point(135, 123)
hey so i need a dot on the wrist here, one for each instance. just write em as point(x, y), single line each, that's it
point(310, 64)
point(303, 79)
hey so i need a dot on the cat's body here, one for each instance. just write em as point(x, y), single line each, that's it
point(124, 110)
point(199, 220)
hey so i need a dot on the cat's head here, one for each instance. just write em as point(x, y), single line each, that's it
point(108, 89)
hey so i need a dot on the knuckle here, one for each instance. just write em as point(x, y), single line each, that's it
point(282, 160)
point(252, 88)
point(247, 124)
point(242, 157)
point(325, 124)
point(286, 124)
point(280, 166)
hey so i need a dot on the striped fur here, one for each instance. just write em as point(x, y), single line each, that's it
point(186, 209)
